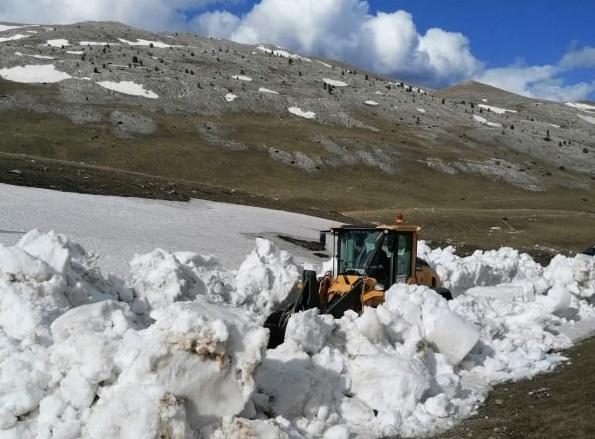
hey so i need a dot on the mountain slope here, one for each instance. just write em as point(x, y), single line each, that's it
point(205, 113)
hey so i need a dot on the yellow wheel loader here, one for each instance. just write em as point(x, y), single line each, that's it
point(367, 260)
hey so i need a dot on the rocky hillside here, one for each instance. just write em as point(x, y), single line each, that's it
point(262, 121)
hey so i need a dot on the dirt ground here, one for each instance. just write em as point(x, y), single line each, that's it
point(560, 404)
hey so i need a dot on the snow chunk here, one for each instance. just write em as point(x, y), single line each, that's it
point(496, 110)
point(484, 121)
point(266, 90)
point(301, 113)
point(371, 103)
point(309, 330)
point(230, 97)
point(141, 42)
point(242, 78)
point(265, 278)
point(129, 88)
point(60, 42)
point(201, 353)
point(334, 82)
point(34, 74)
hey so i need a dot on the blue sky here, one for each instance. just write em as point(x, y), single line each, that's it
point(501, 33)
point(538, 48)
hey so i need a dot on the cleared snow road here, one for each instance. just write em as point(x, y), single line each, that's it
point(117, 228)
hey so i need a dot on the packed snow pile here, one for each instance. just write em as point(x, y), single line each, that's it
point(177, 348)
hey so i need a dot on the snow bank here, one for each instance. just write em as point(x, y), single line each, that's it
point(301, 113)
point(129, 88)
point(32, 74)
point(75, 361)
point(177, 349)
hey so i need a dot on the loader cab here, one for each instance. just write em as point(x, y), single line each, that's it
point(385, 253)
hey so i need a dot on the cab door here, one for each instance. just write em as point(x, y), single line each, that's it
point(402, 257)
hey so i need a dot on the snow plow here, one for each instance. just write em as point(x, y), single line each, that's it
point(367, 260)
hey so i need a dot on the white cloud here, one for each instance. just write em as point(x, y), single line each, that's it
point(216, 24)
point(388, 43)
point(546, 82)
point(149, 14)
point(581, 58)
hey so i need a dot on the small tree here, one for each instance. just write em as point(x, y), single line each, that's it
point(547, 137)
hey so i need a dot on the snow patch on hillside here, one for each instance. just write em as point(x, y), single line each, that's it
point(588, 119)
point(282, 53)
point(371, 103)
point(266, 90)
point(141, 42)
point(324, 64)
point(230, 97)
point(34, 56)
point(301, 113)
point(96, 43)
point(128, 88)
point(496, 110)
point(59, 43)
point(4, 27)
point(484, 121)
point(334, 82)
point(13, 38)
point(242, 78)
point(31, 74)
point(580, 106)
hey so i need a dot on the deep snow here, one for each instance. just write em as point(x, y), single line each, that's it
point(117, 228)
point(176, 348)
